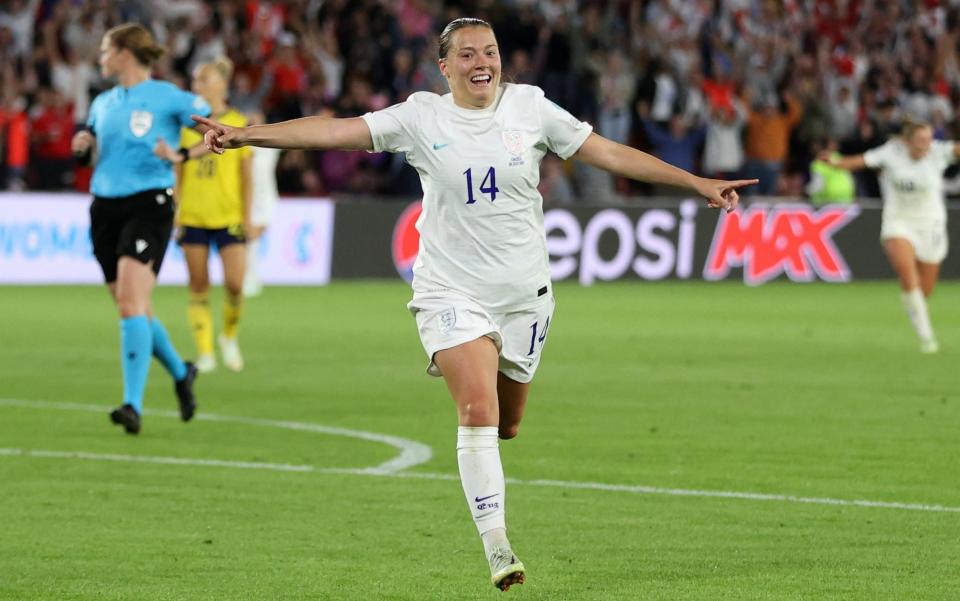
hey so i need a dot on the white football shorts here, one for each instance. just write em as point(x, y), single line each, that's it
point(261, 211)
point(929, 238)
point(447, 319)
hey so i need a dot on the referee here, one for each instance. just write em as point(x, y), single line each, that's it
point(131, 216)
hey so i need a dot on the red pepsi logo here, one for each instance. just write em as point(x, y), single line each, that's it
point(406, 240)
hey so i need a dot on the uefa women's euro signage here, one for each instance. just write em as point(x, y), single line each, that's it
point(45, 239)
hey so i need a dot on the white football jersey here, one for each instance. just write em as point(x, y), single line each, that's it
point(264, 176)
point(481, 230)
point(911, 189)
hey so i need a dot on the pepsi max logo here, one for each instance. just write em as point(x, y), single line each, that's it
point(406, 240)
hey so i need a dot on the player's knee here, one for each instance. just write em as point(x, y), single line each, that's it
point(129, 308)
point(509, 431)
point(478, 410)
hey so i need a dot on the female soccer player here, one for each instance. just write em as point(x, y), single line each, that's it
point(265, 195)
point(214, 195)
point(131, 216)
point(482, 296)
point(914, 222)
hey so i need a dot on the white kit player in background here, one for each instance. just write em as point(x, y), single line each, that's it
point(265, 197)
point(481, 288)
point(914, 223)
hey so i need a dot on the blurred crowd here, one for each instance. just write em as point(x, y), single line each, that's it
point(753, 88)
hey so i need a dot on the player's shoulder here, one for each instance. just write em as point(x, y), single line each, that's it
point(161, 88)
point(523, 90)
point(234, 118)
point(423, 100)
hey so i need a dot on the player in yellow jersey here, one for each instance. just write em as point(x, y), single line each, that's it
point(214, 192)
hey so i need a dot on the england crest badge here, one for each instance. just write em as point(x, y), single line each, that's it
point(140, 122)
point(448, 319)
point(513, 141)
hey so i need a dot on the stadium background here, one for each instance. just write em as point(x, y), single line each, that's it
point(684, 440)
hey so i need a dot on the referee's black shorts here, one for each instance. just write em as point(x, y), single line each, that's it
point(136, 226)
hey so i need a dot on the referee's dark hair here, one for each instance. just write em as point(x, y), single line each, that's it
point(138, 40)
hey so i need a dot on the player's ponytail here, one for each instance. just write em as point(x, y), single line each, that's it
point(446, 36)
point(138, 40)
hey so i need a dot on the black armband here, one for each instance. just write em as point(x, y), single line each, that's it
point(84, 158)
point(184, 154)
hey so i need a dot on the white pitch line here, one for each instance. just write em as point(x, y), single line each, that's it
point(638, 490)
point(415, 453)
point(412, 453)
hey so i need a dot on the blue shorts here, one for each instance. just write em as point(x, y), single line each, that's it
point(221, 237)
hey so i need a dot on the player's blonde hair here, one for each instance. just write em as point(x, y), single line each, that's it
point(910, 127)
point(138, 40)
point(223, 66)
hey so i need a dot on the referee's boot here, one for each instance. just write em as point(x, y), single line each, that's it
point(184, 390)
point(126, 416)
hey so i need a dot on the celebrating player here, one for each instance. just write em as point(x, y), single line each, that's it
point(131, 216)
point(914, 222)
point(482, 295)
point(214, 195)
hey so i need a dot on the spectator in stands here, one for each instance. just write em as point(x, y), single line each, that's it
point(723, 155)
point(768, 139)
point(678, 144)
point(51, 131)
point(14, 137)
point(828, 183)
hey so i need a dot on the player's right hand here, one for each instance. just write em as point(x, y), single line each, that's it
point(81, 142)
point(218, 137)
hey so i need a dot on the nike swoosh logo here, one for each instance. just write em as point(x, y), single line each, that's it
point(439, 146)
point(479, 499)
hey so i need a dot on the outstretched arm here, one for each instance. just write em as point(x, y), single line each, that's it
point(319, 133)
point(630, 162)
point(850, 163)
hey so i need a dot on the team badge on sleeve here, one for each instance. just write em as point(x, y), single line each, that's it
point(513, 140)
point(140, 122)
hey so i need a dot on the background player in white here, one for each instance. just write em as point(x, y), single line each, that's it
point(482, 297)
point(914, 222)
point(265, 197)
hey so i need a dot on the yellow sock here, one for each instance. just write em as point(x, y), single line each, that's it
point(201, 323)
point(232, 310)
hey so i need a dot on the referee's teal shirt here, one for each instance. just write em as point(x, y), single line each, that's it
point(127, 123)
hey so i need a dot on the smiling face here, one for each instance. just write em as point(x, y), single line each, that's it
point(472, 66)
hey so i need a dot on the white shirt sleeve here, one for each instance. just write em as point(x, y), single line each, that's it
point(392, 129)
point(879, 157)
point(562, 133)
point(944, 151)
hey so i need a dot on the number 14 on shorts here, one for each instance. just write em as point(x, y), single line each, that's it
point(534, 339)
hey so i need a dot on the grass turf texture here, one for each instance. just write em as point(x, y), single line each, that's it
point(807, 390)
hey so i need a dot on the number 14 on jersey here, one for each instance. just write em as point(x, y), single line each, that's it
point(488, 186)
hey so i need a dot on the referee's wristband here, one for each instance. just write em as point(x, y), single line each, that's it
point(184, 154)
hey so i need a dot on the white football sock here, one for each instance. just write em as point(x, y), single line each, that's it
point(251, 278)
point(916, 307)
point(481, 473)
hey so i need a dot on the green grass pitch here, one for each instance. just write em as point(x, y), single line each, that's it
point(814, 391)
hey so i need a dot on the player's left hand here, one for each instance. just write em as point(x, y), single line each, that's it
point(722, 194)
